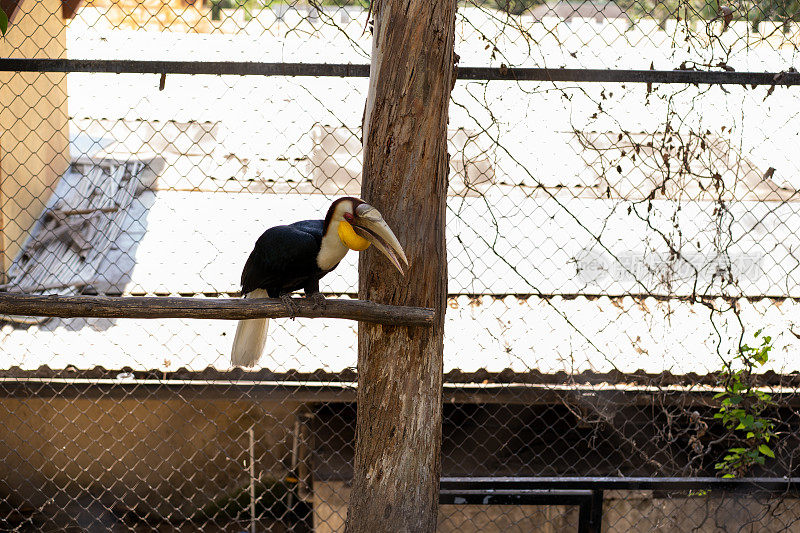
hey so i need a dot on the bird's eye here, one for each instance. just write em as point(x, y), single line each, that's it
point(348, 217)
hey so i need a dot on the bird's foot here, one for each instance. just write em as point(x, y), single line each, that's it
point(318, 300)
point(290, 305)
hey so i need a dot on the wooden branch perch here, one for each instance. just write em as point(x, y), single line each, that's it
point(208, 308)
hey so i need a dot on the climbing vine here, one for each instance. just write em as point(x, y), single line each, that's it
point(742, 411)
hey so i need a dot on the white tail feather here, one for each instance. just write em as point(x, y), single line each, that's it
point(251, 336)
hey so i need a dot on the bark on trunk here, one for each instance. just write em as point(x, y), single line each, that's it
point(398, 430)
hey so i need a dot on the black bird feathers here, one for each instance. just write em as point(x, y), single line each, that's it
point(284, 260)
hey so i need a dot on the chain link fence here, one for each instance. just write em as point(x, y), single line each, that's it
point(623, 262)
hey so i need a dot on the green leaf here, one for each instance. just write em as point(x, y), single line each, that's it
point(734, 400)
point(3, 22)
point(766, 451)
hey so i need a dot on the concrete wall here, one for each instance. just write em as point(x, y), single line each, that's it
point(34, 141)
point(165, 458)
point(623, 512)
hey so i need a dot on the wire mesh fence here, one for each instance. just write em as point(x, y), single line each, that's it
point(623, 263)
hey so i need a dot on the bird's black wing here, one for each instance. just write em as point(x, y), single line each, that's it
point(284, 258)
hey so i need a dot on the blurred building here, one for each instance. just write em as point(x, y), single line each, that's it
point(157, 15)
point(34, 137)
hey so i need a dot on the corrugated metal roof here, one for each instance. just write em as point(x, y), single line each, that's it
point(179, 242)
point(528, 120)
point(185, 242)
point(535, 131)
point(545, 335)
point(196, 242)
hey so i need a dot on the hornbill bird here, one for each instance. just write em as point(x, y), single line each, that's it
point(296, 256)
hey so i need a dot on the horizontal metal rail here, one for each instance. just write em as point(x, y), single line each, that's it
point(513, 497)
point(587, 492)
point(234, 68)
point(518, 484)
point(589, 502)
point(209, 308)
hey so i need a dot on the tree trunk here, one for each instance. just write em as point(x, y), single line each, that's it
point(398, 429)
